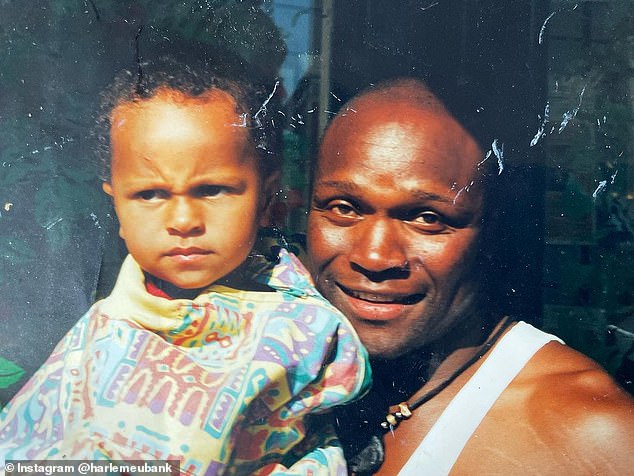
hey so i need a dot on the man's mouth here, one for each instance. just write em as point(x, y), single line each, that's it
point(383, 298)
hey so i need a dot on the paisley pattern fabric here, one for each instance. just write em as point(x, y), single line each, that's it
point(231, 382)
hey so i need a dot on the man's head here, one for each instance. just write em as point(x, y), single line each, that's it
point(396, 220)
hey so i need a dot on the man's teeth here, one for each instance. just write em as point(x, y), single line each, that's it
point(382, 298)
point(377, 298)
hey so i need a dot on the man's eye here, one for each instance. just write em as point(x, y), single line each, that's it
point(429, 221)
point(342, 209)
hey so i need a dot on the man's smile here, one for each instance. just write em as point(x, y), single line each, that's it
point(370, 306)
point(382, 297)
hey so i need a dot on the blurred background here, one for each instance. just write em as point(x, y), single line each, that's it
point(556, 78)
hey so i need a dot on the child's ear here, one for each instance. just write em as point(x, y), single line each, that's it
point(269, 188)
point(107, 188)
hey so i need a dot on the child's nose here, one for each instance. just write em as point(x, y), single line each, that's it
point(185, 218)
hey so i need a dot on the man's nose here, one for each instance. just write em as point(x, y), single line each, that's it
point(184, 217)
point(379, 248)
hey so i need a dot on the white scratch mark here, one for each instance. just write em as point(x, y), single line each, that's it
point(53, 223)
point(542, 127)
point(7, 206)
point(429, 6)
point(243, 121)
point(486, 157)
point(613, 177)
point(543, 29)
point(568, 115)
point(499, 153)
point(334, 96)
point(602, 185)
point(455, 199)
point(262, 109)
point(564, 120)
point(95, 220)
point(310, 111)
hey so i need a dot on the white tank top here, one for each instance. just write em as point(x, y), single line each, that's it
point(439, 450)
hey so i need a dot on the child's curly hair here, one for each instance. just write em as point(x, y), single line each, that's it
point(193, 69)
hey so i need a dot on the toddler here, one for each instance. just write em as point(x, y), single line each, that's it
point(203, 352)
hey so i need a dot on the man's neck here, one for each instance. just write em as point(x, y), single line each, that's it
point(401, 377)
point(464, 343)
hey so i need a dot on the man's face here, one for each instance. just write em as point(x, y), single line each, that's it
point(185, 186)
point(395, 223)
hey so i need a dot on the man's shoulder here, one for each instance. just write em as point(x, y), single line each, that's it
point(573, 407)
point(574, 379)
point(562, 414)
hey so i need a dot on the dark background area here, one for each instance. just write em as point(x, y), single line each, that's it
point(552, 78)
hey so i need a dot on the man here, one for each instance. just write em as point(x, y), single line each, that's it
point(397, 235)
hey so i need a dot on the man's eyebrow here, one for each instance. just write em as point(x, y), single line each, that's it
point(339, 185)
point(351, 187)
point(432, 197)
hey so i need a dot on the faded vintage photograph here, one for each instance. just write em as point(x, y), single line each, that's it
point(318, 237)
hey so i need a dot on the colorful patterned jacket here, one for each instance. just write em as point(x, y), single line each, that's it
point(227, 383)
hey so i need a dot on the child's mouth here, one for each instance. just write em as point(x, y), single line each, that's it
point(187, 255)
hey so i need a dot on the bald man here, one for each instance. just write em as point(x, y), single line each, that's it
point(402, 203)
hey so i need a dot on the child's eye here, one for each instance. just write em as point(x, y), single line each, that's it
point(210, 190)
point(148, 195)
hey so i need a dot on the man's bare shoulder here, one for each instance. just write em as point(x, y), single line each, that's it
point(563, 412)
point(565, 383)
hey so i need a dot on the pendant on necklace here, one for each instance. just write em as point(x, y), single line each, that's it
point(392, 419)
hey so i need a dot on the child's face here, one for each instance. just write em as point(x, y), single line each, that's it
point(185, 185)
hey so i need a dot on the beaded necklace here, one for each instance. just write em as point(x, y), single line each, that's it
point(403, 410)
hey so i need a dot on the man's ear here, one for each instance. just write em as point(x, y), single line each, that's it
point(269, 189)
point(107, 187)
